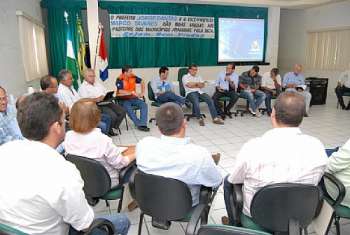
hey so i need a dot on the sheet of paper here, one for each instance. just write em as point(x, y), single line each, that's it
point(321, 222)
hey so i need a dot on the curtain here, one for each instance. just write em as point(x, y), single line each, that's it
point(328, 50)
point(32, 39)
point(155, 52)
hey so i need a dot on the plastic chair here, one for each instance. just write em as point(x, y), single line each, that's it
point(152, 98)
point(97, 182)
point(227, 230)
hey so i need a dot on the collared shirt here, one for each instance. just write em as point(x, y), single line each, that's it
point(160, 86)
point(339, 166)
point(189, 78)
point(293, 78)
point(281, 155)
point(87, 90)
point(223, 84)
point(179, 159)
point(268, 82)
point(252, 82)
point(9, 129)
point(67, 95)
point(344, 78)
point(41, 192)
point(97, 146)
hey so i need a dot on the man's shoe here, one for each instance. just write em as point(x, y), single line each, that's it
point(143, 128)
point(223, 116)
point(132, 205)
point(251, 111)
point(306, 115)
point(201, 122)
point(225, 220)
point(258, 114)
point(112, 133)
point(218, 121)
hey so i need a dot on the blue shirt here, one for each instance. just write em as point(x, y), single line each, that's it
point(9, 129)
point(223, 84)
point(292, 78)
point(159, 86)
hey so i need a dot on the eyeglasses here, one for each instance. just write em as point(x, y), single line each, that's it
point(4, 98)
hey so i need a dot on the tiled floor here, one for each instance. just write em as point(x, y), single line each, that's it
point(330, 125)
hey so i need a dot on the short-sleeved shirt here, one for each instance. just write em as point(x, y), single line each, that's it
point(293, 78)
point(87, 90)
point(127, 83)
point(67, 95)
point(267, 81)
point(159, 85)
point(223, 84)
point(189, 78)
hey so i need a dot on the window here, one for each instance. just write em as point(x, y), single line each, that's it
point(328, 50)
point(32, 39)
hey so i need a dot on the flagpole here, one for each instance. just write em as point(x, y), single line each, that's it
point(97, 44)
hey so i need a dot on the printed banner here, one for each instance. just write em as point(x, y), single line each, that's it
point(129, 25)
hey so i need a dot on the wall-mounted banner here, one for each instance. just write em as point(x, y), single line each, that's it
point(130, 25)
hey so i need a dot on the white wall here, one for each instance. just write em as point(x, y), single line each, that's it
point(210, 72)
point(11, 65)
point(293, 35)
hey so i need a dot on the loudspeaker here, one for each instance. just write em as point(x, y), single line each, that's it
point(318, 89)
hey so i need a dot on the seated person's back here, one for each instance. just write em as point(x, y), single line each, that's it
point(172, 155)
point(88, 141)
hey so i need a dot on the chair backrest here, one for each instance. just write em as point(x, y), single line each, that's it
point(7, 230)
point(275, 206)
point(97, 181)
point(161, 197)
point(180, 74)
point(227, 230)
point(151, 96)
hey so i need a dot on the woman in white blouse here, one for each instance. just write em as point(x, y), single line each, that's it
point(86, 140)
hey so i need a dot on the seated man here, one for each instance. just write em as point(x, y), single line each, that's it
point(126, 85)
point(68, 96)
point(282, 155)
point(9, 129)
point(174, 155)
point(271, 85)
point(249, 83)
point(90, 88)
point(226, 85)
point(342, 87)
point(295, 82)
point(193, 84)
point(42, 193)
point(163, 90)
point(49, 85)
point(339, 166)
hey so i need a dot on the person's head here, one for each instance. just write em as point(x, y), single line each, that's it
point(89, 76)
point(65, 77)
point(127, 70)
point(163, 72)
point(274, 72)
point(298, 68)
point(41, 118)
point(193, 69)
point(49, 84)
point(254, 71)
point(170, 120)
point(84, 116)
point(230, 68)
point(289, 110)
point(3, 99)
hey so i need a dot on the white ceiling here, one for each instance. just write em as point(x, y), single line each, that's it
point(290, 4)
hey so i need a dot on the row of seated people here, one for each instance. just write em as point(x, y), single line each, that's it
point(42, 192)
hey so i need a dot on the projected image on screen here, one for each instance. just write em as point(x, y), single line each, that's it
point(241, 39)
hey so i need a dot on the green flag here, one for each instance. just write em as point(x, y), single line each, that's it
point(71, 62)
point(81, 46)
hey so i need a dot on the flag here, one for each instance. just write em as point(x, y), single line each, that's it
point(71, 62)
point(102, 62)
point(81, 46)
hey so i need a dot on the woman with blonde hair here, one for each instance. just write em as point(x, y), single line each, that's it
point(86, 140)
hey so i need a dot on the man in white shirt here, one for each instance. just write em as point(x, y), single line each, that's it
point(90, 88)
point(174, 156)
point(271, 85)
point(193, 85)
point(226, 86)
point(282, 155)
point(342, 87)
point(66, 92)
point(42, 193)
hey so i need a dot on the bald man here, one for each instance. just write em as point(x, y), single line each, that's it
point(90, 88)
point(295, 82)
